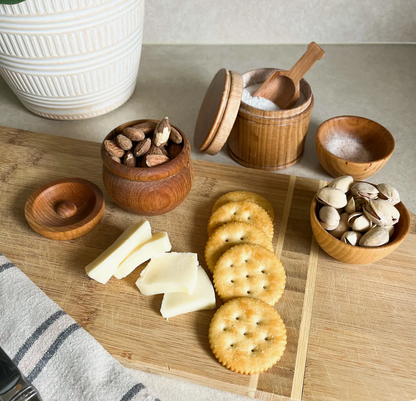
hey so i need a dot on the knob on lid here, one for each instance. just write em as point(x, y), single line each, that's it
point(218, 111)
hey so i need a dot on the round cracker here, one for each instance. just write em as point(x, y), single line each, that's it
point(245, 196)
point(231, 234)
point(249, 270)
point(247, 335)
point(246, 212)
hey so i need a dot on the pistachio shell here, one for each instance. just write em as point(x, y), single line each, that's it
point(342, 226)
point(381, 212)
point(377, 236)
point(343, 183)
point(331, 197)
point(329, 215)
point(388, 192)
point(364, 190)
point(350, 208)
point(328, 227)
point(351, 237)
point(390, 229)
point(359, 222)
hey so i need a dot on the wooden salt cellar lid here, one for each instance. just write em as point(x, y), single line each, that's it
point(65, 209)
point(218, 111)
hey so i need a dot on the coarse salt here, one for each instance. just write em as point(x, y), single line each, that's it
point(349, 148)
point(262, 103)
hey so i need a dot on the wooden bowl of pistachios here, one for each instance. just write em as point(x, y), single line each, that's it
point(358, 222)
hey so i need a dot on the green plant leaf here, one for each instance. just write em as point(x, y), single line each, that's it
point(11, 1)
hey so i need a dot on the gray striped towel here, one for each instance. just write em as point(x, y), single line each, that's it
point(54, 353)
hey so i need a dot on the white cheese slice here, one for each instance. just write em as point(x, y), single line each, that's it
point(159, 243)
point(102, 268)
point(203, 297)
point(169, 272)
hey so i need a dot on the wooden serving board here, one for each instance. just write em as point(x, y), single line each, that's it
point(129, 325)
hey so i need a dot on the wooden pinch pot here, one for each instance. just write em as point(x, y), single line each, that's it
point(356, 254)
point(148, 191)
point(374, 138)
point(270, 140)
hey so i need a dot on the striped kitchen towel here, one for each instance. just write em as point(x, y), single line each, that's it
point(54, 353)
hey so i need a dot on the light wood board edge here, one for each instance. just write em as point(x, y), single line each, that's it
point(305, 324)
point(254, 379)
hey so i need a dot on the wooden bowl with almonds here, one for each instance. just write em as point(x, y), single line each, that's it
point(147, 167)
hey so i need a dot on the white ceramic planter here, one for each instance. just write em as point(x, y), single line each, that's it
point(71, 59)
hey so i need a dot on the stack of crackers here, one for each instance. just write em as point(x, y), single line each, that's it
point(246, 334)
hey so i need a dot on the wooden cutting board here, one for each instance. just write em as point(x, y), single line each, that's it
point(129, 325)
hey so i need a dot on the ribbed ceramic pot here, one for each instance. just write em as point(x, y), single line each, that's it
point(71, 59)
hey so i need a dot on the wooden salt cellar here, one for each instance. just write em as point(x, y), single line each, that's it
point(148, 191)
point(266, 140)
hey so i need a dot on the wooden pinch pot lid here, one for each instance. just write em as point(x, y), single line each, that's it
point(218, 111)
point(65, 209)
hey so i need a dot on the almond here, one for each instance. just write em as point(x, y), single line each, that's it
point(156, 160)
point(129, 159)
point(142, 147)
point(134, 134)
point(146, 127)
point(112, 148)
point(162, 132)
point(123, 142)
point(164, 151)
point(154, 150)
point(175, 136)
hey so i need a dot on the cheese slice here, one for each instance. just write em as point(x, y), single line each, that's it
point(169, 272)
point(159, 243)
point(102, 268)
point(203, 297)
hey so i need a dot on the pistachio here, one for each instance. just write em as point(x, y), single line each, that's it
point(381, 212)
point(364, 190)
point(388, 192)
point(331, 197)
point(328, 227)
point(350, 208)
point(342, 226)
point(351, 237)
point(377, 236)
point(329, 215)
point(359, 222)
point(390, 230)
point(343, 183)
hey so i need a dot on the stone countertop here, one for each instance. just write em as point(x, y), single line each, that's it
point(374, 81)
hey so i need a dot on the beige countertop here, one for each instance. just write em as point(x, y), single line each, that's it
point(374, 81)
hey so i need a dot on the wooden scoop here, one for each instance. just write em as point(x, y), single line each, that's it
point(282, 87)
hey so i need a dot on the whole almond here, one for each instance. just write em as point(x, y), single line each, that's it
point(146, 127)
point(162, 132)
point(156, 160)
point(175, 136)
point(123, 142)
point(134, 134)
point(142, 147)
point(174, 150)
point(154, 150)
point(116, 159)
point(112, 148)
point(129, 159)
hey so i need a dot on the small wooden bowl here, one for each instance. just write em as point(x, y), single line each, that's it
point(356, 254)
point(65, 209)
point(376, 139)
point(148, 191)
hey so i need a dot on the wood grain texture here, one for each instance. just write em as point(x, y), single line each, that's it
point(283, 87)
point(374, 138)
point(269, 140)
point(148, 191)
point(363, 325)
point(65, 209)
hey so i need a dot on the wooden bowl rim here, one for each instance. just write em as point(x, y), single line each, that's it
point(319, 142)
point(279, 114)
point(95, 214)
point(397, 241)
point(146, 174)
